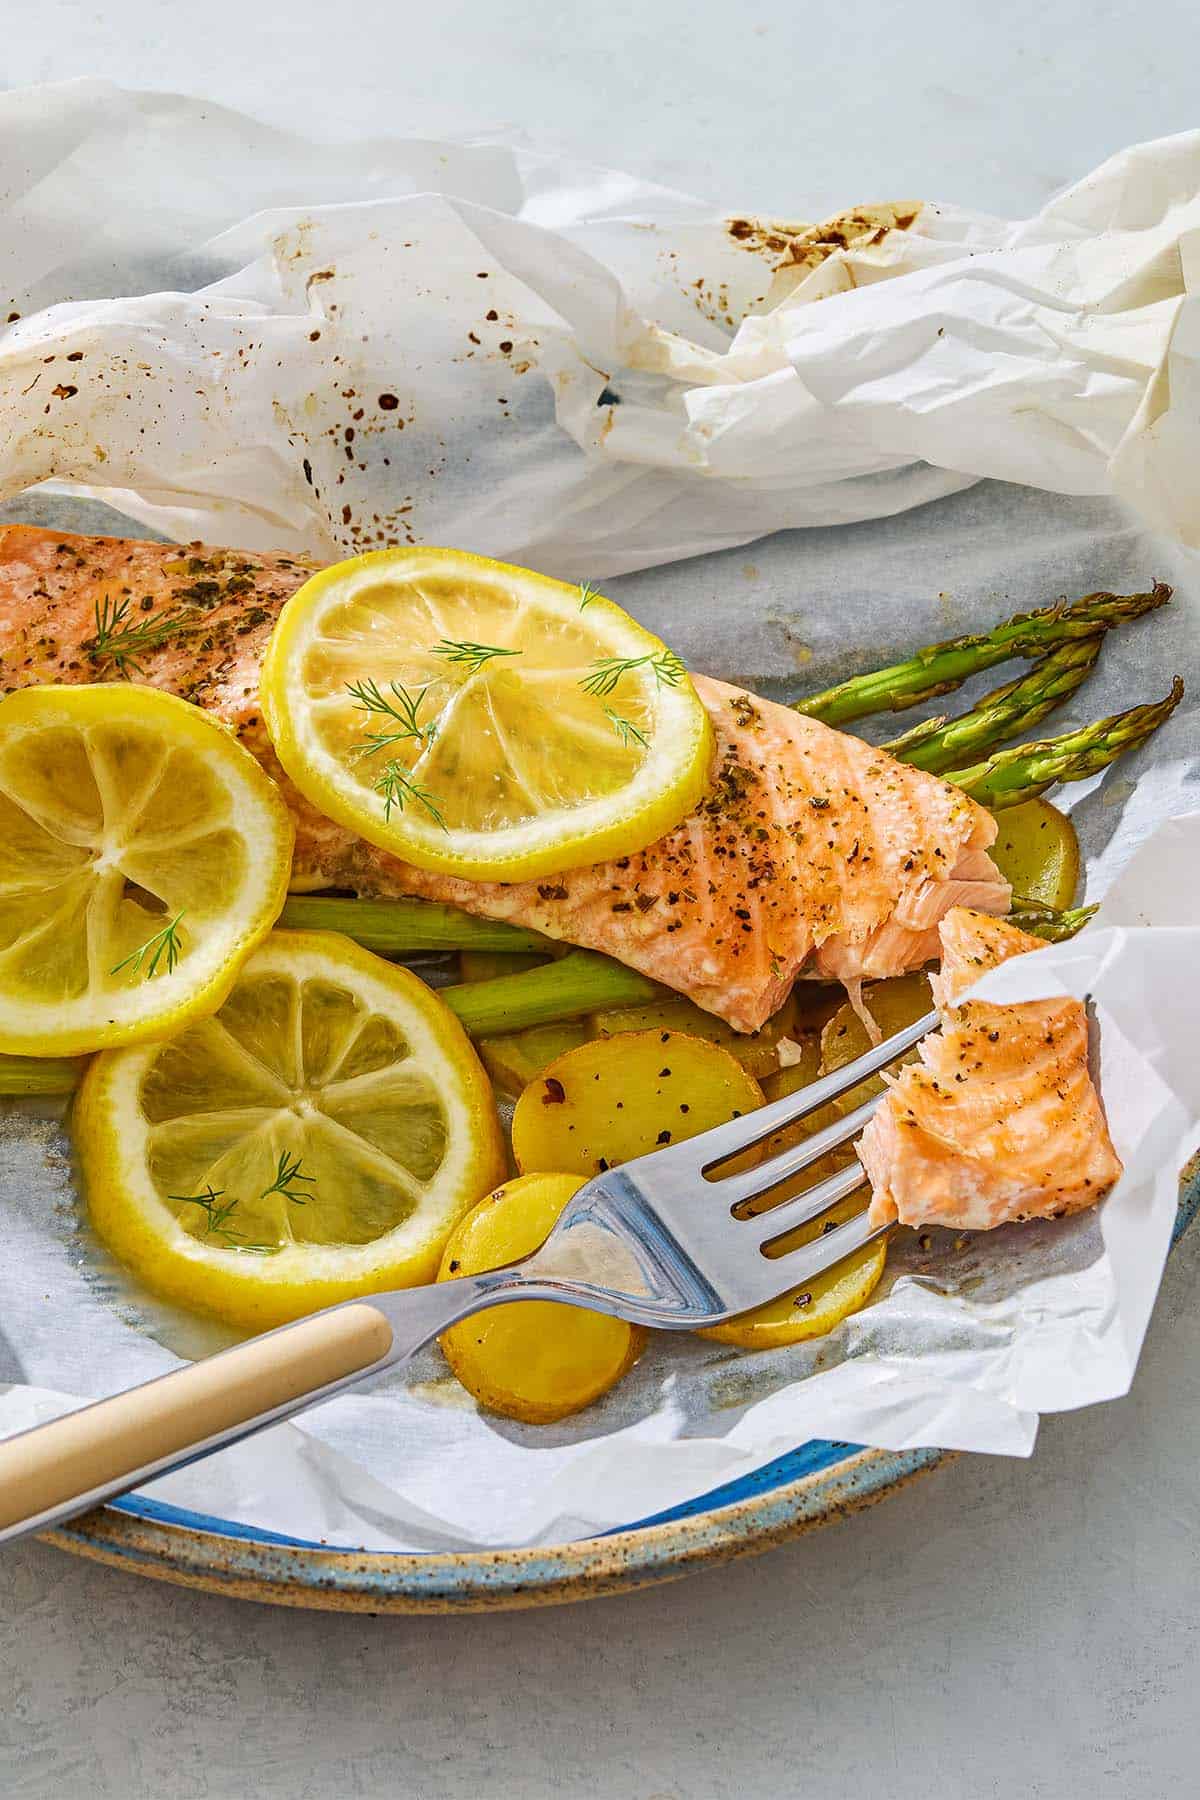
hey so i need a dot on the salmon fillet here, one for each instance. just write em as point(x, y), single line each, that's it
point(1000, 1120)
point(812, 855)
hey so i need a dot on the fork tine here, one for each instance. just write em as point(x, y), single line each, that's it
point(782, 1219)
point(813, 1259)
point(724, 1141)
point(738, 1189)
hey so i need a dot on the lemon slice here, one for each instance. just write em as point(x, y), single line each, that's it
point(479, 719)
point(318, 1138)
point(143, 854)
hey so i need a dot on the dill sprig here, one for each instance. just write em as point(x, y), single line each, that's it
point(625, 729)
point(164, 945)
point(607, 674)
point(120, 641)
point(217, 1210)
point(288, 1172)
point(398, 786)
point(403, 708)
point(469, 656)
point(216, 1216)
point(587, 593)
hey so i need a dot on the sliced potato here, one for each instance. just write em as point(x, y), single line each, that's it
point(1038, 851)
point(532, 1360)
point(617, 1098)
point(893, 1005)
point(518, 1057)
point(831, 1163)
point(757, 1051)
point(818, 1304)
point(487, 965)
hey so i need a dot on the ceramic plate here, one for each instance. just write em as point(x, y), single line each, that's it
point(818, 1482)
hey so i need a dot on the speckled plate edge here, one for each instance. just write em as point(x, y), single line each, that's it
point(814, 1485)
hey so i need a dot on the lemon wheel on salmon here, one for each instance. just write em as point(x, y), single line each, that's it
point(481, 720)
point(143, 854)
point(316, 1139)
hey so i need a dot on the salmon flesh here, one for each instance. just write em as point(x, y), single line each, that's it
point(1000, 1120)
point(812, 855)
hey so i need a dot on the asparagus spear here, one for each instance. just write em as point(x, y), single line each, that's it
point(1026, 770)
point(1019, 705)
point(404, 927)
point(940, 668)
point(1055, 924)
point(576, 984)
point(34, 1077)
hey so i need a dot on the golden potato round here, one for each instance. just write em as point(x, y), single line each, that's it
point(893, 1004)
point(1038, 851)
point(532, 1360)
point(798, 1074)
point(757, 1051)
point(617, 1098)
point(515, 1058)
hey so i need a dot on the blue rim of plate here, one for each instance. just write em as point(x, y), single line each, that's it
point(818, 1481)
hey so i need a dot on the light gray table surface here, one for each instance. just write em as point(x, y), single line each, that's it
point(1001, 1629)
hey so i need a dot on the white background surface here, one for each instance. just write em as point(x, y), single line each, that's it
point(1001, 1629)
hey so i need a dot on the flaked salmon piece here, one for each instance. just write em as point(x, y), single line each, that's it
point(813, 855)
point(1000, 1120)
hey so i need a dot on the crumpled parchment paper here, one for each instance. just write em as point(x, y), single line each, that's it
point(478, 344)
point(682, 393)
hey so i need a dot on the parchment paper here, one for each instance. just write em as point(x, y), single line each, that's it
point(480, 344)
point(126, 194)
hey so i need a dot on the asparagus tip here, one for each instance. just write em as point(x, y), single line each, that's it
point(941, 668)
point(1054, 924)
point(1021, 773)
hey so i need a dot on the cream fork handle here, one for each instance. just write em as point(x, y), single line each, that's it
point(101, 1450)
point(54, 1471)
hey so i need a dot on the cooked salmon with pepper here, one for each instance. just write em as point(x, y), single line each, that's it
point(1000, 1120)
point(812, 855)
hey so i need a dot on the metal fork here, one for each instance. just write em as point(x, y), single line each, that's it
point(666, 1240)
